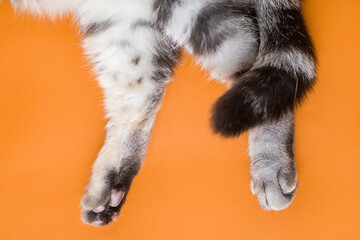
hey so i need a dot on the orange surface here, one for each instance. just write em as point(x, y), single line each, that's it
point(194, 185)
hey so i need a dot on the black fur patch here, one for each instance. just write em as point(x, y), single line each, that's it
point(286, 29)
point(259, 95)
point(266, 93)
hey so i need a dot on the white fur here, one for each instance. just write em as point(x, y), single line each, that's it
point(235, 54)
point(182, 21)
point(112, 52)
point(51, 8)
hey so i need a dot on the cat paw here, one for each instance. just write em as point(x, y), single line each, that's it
point(103, 200)
point(274, 184)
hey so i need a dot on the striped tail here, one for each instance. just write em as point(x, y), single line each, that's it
point(283, 73)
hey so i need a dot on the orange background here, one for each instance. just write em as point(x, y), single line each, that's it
point(194, 185)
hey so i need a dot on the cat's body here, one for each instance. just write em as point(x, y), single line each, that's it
point(260, 48)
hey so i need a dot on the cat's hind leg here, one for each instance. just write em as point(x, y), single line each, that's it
point(134, 62)
point(272, 165)
point(224, 37)
point(283, 73)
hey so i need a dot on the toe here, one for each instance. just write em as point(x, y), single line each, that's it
point(97, 223)
point(95, 201)
point(270, 194)
point(275, 198)
point(260, 192)
point(287, 181)
point(99, 209)
point(116, 197)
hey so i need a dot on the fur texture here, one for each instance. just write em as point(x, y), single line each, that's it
point(260, 48)
point(280, 77)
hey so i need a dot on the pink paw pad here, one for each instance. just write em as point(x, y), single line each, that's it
point(99, 209)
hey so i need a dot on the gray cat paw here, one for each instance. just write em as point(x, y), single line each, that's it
point(273, 183)
point(104, 212)
point(103, 200)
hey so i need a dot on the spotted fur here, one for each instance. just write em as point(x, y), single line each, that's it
point(260, 48)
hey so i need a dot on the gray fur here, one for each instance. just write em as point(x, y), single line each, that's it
point(136, 60)
point(134, 148)
point(261, 48)
point(272, 166)
point(143, 24)
point(96, 28)
point(166, 57)
point(219, 21)
point(164, 8)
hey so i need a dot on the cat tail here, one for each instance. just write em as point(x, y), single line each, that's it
point(282, 74)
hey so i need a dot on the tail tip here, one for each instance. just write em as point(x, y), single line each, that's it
point(230, 116)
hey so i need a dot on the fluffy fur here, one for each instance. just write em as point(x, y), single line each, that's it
point(260, 48)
